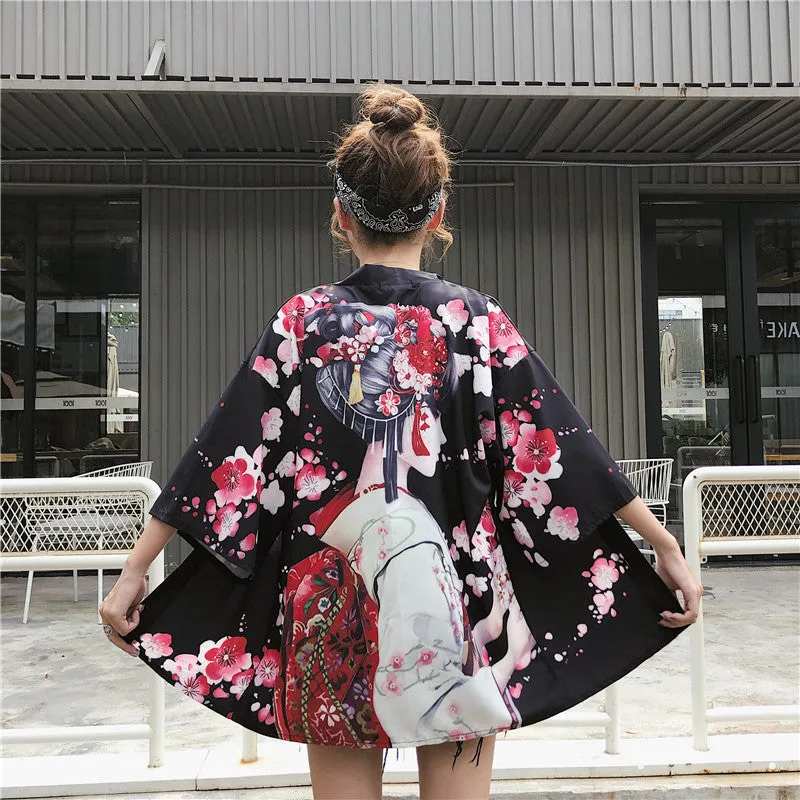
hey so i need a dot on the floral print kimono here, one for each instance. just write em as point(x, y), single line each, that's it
point(404, 531)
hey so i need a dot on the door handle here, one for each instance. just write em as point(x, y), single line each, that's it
point(754, 388)
point(740, 390)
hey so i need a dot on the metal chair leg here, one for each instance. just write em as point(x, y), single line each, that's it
point(28, 597)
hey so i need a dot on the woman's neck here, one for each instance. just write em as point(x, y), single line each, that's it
point(372, 469)
point(403, 256)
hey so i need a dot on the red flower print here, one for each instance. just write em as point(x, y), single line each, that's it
point(291, 317)
point(426, 657)
point(223, 659)
point(248, 543)
point(535, 449)
point(266, 668)
point(604, 573)
point(311, 482)
point(488, 430)
point(392, 685)
point(513, 488)
point(227, 522)
point(509, 429)
point(388, 403)
point(240, 682)
point(235, 478)
point(514, 354)
point(156, 645)
point(397, 661)
point(563, 522)
point(194, 686)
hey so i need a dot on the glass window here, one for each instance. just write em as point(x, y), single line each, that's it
point(87, 356)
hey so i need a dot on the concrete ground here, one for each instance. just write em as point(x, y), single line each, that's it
point(59, 670)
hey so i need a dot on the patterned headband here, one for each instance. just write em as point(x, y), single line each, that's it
point(384, 218)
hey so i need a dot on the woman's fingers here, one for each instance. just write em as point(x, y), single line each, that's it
point(118, 641)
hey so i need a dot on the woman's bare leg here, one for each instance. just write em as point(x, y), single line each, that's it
point(345, 773)
point(468, 779)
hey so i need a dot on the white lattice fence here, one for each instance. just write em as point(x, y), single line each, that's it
point(744, 510)
point(71, 524)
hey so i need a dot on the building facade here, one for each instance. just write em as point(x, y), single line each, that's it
point(628, 184)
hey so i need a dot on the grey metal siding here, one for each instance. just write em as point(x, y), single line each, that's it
point(760, 181)
point(473, 41)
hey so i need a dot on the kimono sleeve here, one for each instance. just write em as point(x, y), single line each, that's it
point(559, 482)
point(231, 494)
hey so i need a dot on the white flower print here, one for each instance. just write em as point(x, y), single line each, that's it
point(271, 424)
point(521, 534)
point(272, 497)
point(453, 314)
point(286, 466)
point(479, 331)
point(461, 537)
point(293, 401)
point(482, 380)
point(267, 369)
point(563, 522)
point(478, 584)
point(463, 363)
point(183, 667)
point(481, 546)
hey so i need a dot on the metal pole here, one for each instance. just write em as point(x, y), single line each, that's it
point(697, 656)
point(249, 746)
point(157, 716)
point(613, 724)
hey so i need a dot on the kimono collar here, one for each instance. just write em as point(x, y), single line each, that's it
point(378, 273)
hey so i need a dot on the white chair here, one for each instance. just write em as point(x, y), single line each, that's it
point(102, 524)
point(651, 478)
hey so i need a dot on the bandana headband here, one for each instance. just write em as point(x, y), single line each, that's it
point(384, 218)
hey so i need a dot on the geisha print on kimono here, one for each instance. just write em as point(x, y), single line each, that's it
point(404, 530)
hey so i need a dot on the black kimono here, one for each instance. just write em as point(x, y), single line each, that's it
point(404, 530)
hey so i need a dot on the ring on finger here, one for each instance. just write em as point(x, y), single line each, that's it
point(108, 630)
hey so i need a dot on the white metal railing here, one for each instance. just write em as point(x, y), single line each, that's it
point(58, 515)
point(736, 511)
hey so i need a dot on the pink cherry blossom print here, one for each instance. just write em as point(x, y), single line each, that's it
point(461, 537)
point(157, 645)
point(271, 424)
point(537, 495)
point(509, 429)
point(311, 482)
point(267, 369)
point(481, 545)
point(397, 661)
point(266, 716)
point(563, 522)
point(223, 659)
point(478, 584)
point(293, 401)
point(516, 690)
point(514, 488)
point(240, 682)
point(488, 430)
point(236, 477)
point(388, 403)
point(290, 321)
point(286, 466)
point(502, 334)
point(582, 629)
point(455, 710)
point(248, 543)
point(227, 521)
point(521, 534)
point(183, 666)
point(514, 354)
point(479, 331)
point(453, 315)
point(195, 687)
point(603, 601)
point(266, 668)
point(534, 449)
point(272, 497)
point(289, 356)
point(604, 573)
point(393, 685)
point(426, 657)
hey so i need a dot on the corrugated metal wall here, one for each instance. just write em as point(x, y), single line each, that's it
point(473, 41)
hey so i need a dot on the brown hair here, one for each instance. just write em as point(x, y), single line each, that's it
point(394, 155)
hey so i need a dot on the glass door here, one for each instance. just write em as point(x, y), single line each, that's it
point(696, 369)
point(770, 237)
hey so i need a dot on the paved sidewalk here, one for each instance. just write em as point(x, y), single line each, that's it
point(58, 670)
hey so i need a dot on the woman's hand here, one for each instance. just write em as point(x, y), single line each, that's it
point(672, 568)
point(120, 609)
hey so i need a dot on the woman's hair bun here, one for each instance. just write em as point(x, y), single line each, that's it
point(395, 109)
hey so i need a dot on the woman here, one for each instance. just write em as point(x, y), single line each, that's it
point(404, 531)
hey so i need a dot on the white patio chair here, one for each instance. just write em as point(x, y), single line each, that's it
point(51, 530)
point(651, 478)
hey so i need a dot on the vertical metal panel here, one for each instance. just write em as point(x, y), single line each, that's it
point(649, 41)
